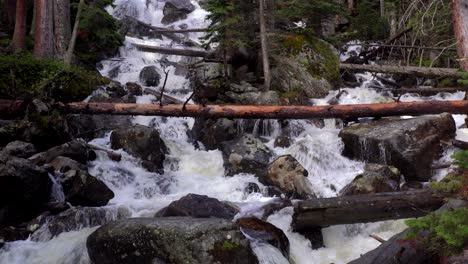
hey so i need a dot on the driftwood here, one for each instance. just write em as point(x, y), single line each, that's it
point(402, 46)
point(165, 96)
point(404, 70)
point(171, 51)
point(364, 208)
point(401, 250)
point(429, 91)
point(111, 154)
point(166, 30)
point(261, 112)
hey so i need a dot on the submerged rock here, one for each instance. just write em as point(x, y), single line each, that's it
point(24, 188)
point(408, 144)
point(20, 149)
point(245, 154)
point(282, 142)
point(149, 76)
point(263, 231)
point(290, 176)
point(73, 219)
point(170, 240)
point(80, 188)
point(198, 206)
point(175, 10)
point(142, 142)
point(375, 178)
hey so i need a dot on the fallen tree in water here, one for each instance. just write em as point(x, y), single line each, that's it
point(349, 112)
point(404, 70)
point(365, 208)
point(171, 51)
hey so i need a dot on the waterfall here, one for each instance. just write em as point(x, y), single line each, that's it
point(191, 170)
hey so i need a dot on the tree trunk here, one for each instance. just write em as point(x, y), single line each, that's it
point(365, 208)
point(351, 7)
point(19, 37)
point(266, 112)
point(8, 13)
point(43, 33)
point(62, 26)
point(263, 40)
point(170, 51)
point(71, 46)
point(460, 28)
point(404, 70)
point(382, 8)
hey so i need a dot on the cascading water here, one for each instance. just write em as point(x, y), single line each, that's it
point(191, 170)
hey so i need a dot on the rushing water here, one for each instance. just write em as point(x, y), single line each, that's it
point(191, 170)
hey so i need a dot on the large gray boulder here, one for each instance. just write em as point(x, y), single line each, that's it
point(245, 154)
point(175, 10)
point(20, 149)
point(410, 145)
point(211, 132)
point(198, 206)
point(170, 240)
point(76, 150)
point(286, 173)
point(24, 188)
point(375, 178)
point(149, 76)
point(142, 142)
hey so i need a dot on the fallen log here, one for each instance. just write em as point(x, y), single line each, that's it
point(111, 154)
point(11, 109)
point(404, 70)
point(324, 212)
point(171, 51)
point(166, 30)
point(165, 96)
point(429, 91)
point(263, 112)
point(399, 249)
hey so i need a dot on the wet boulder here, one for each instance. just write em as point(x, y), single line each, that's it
point(64, 164)
point(286, 173)
point(211, 132)
point(24, 188)
point(410, 145)
point(282, 142)
point(149, 76)
point(170, 240)
point(175, 10)
point(134, 89)
point(93, 126)
point(81, 188)
point(76, 150)
point(198, 206)
point(20, 149)
point(265, 232)
point(245, 154)
point(375, 178)
point(74, 219)
point(142, 142)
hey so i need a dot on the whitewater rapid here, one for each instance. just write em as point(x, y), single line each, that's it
point(191, 170)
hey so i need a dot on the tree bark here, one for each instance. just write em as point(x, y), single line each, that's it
point(351, 7)
point(19, 37)
point(8, 13)
point(62, 26)
point(365, 208)
point(43, 32)
point(267, 112)
point(264, 47)
point(382, 8)
point(71, 46)
point(460, 28)
point(404, 70)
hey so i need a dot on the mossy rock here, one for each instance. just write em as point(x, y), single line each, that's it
point(23, 75)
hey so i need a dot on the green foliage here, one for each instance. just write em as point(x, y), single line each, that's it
point(98, 32)
point(452, 184)
point(368, 24)
point(448, 230)
point(227, 26)
point(464, 78)
point(461, 159)
point(5, 42)
point(24, 75)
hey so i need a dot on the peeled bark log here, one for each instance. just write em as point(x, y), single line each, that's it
point(266, 112)
point(19, 37)
point(460, 28)
point(170, 51)
point(43, 32)
point(11, 109)
point(404, 70)
point(158, 95)
point(324, 212)
point(264, 48)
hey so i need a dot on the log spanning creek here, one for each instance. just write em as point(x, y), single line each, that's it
point(323, 153)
